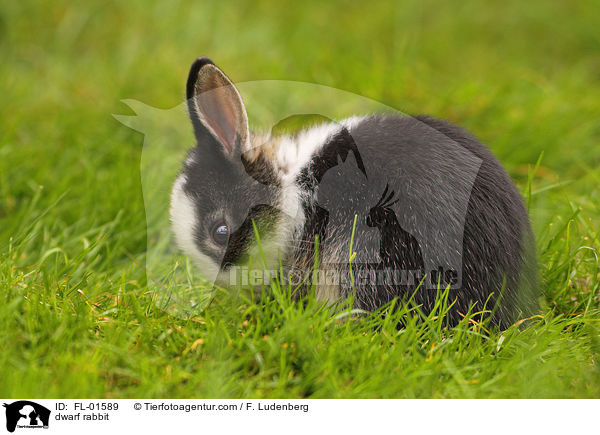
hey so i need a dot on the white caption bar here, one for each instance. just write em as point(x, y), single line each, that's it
point(142, 416)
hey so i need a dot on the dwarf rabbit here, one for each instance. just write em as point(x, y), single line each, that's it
point(419, 204)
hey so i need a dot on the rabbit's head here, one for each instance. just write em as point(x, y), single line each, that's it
point(227, 192)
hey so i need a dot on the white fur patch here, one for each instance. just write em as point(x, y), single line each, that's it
point(189, 161)
point(183, 220)
point(295, 152)
point(352, 122)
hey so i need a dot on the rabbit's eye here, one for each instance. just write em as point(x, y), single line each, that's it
point(220, 234)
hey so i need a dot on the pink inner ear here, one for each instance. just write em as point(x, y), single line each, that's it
point(220, 107)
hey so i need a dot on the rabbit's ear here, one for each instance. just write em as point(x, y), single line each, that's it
point(216, 108)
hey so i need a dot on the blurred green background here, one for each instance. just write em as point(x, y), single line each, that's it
point(522, 76)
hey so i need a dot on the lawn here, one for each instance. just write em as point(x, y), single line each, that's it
point(77, 312)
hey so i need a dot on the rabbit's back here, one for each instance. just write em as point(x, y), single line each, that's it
point(433, 208)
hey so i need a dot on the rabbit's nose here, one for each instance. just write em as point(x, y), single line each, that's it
point(369, 221)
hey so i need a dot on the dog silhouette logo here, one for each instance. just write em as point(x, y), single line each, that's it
point(26, 414)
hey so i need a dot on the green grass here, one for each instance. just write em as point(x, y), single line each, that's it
point(77, 317)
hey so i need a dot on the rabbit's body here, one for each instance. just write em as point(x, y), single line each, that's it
point(433, 207)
